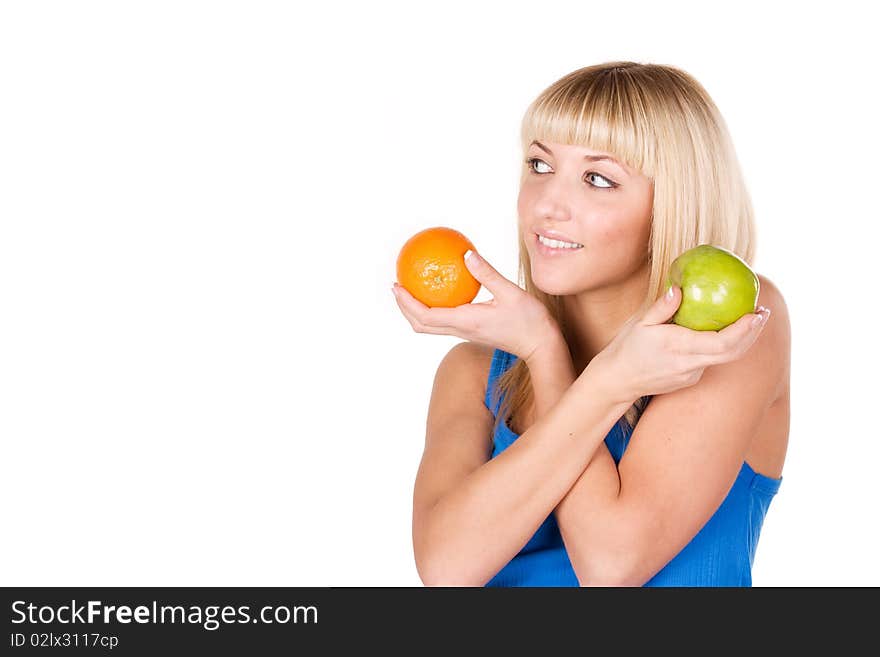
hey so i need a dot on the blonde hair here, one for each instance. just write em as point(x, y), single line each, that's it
point(660, 121)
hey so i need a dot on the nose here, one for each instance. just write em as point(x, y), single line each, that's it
point(552, 205)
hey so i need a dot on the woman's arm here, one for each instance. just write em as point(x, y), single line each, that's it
point(468, 529)
point(552, 373)
point(622, 525)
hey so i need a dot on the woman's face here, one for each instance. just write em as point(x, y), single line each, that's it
point(600, 204)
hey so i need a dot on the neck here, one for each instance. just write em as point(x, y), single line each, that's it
point(593, 317)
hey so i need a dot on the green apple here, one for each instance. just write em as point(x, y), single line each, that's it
point(717, 288)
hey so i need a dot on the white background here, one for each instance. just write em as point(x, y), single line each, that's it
point(204, 378)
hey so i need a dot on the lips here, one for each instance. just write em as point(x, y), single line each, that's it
point(554, 252)
point(553, 235)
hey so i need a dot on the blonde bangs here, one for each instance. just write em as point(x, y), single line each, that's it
point(596, 109)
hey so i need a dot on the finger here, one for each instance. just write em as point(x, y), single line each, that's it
point(740, 335)
point(463, 321)
point(411, 307)
point(486, 274)
point(732, 340)
point(417, 325)
point(427, 317)
point(663, 308)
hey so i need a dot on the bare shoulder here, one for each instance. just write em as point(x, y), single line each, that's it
point(473, 353)
point(466, 365)
point(771, 296)
point(459, 390)
point(774, 344)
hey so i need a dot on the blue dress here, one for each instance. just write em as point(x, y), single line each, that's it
point(721, 554)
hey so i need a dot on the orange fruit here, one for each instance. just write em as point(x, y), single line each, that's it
point(431, 267)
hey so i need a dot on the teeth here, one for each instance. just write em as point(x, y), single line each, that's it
point(557, 244)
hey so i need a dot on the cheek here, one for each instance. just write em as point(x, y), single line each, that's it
point(622, 238)
point(612, 228)
point(631, 222)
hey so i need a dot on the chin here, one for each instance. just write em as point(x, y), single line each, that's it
point(557, 286)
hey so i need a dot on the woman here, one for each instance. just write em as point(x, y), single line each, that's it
point(624, 450)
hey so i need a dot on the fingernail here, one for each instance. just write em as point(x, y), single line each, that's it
point(669, 294)
point(763, 315)
point(467, 254)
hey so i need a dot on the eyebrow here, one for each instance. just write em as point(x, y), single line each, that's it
point(590, 158)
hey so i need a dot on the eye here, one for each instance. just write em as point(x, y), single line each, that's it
point(532, 162)
point(609, 184)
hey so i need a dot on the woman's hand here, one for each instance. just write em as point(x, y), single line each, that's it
point(650, 357)
point(513, 320)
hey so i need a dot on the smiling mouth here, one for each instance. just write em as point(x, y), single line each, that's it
point(557, 245)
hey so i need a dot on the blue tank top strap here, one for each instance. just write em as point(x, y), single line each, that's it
point(501, 360)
